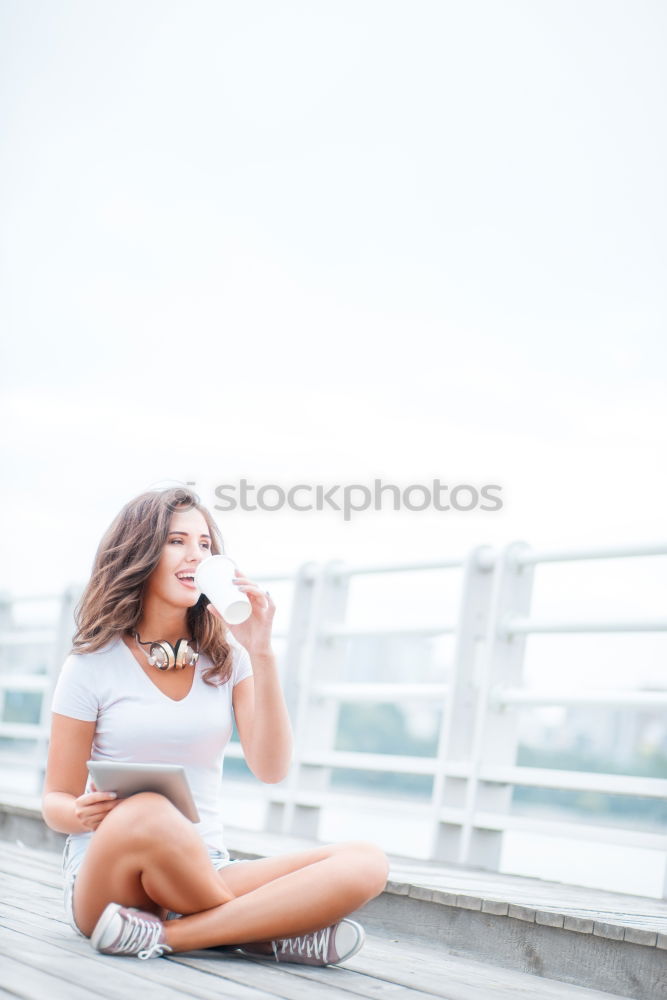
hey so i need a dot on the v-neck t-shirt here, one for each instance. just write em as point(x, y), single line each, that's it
point(139, 723)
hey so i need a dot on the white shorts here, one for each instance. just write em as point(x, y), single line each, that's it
point(72, 859)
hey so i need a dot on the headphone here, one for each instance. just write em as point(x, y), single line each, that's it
point(163, 655)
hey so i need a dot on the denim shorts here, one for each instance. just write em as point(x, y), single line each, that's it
point(72, 859)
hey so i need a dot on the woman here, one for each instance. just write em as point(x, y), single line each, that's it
point(140, 878)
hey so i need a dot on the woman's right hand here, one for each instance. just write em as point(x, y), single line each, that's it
point(91, 807)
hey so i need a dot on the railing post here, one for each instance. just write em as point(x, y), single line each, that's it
point(65, 628)
point(456, 731)
point(61, 647)
point(316, 720)
point(301, 619)
point(6, 623)
point(495, 736)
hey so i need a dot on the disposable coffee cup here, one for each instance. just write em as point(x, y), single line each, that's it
point(213, 577)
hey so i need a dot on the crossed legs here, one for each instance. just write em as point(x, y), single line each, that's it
point(146, 854)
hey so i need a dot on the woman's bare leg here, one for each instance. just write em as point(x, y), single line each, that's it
point(305, 899)
point(145, 853)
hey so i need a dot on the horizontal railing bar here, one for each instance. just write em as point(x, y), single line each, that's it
point(24, 682)
point(381, 692)
point(282, 577)
point(383, 763)
point(22, 731)
point(516, 625)
point(22, 760)
point(520, 697)
point(28, 598)
point(380, 762)
point(345, 632)
point(47, 636)
point(307, 797)
point(558, 828)
point(408, 567)
point(529, 558)
point(36, 636)
point(535, 777)
point(580, 781)
point(274, 577)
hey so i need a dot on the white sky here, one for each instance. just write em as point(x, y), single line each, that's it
point(326, 242)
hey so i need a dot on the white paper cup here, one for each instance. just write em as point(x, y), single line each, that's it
point(213, 577)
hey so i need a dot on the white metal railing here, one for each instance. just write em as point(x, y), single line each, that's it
point(474, 769)
point(516, 625)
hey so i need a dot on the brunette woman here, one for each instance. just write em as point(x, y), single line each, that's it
point(154, 675)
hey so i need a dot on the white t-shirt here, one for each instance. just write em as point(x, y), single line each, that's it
point(136, 722)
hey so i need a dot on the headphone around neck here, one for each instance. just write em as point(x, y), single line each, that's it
point(163, 655)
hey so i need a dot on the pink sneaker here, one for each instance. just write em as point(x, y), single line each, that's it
point(125, 930)
point(330, 946)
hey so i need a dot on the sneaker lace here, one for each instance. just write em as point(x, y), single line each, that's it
point(312, 945)
point(137, 932)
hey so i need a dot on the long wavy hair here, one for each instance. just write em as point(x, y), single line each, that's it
point(129, 551)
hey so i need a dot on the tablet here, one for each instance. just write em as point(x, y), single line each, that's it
point(128, 779)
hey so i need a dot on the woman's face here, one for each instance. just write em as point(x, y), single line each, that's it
point(188, 543)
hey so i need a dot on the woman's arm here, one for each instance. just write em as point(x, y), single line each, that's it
point(64, 806)
point(259, 706)
point(262, 720)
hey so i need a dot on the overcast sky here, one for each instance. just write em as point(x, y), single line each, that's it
point(327, 242)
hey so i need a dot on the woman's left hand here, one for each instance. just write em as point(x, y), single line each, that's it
point(255, 632)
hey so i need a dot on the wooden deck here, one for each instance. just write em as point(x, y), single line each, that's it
point(41, 958)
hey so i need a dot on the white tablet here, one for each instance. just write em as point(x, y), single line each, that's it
point(128, 779)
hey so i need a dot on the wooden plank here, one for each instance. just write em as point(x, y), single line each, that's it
point(35, 868)
point(448, 978)
point(41, 855)
point(11, 848)
point(17, 849)
point(62, 967)
point(25, 869)
point(424, 972)
point(295, 982)
point(37, 878)
point(12, 887)
point(33, 916)
point(28, 983)
point(425, 968)
point(519, 889)
point(32, 883)
point(54, 911)
point(73, 959)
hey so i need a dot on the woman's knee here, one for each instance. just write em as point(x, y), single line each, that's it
point(145, 817)
point(369, 866)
